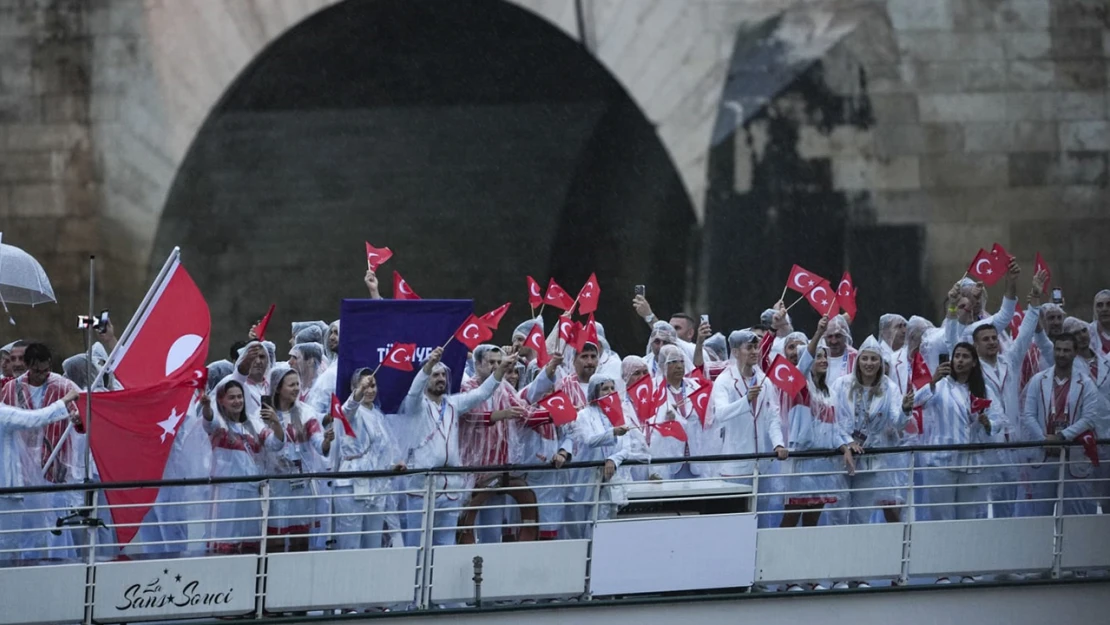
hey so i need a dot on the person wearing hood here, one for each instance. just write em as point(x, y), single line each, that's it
point(1061, 403)
point(432, 431)
point(526, 356)
point(299, 437)
point(955, 479)
point(6, 363)
point(308, 332)
point(360, 503)
point(842, 356)
point(238, 440)
point(869, 407)
point(779, 321)
point(633, 369)
point(1100, 326)
point(307, 359)
point(678, 406)
point(596, 439)
point(966, 301)
point(892, 336)
point(663, 334)
point(252, 372)
point(484, 436)
point(744, 406)
point(1001, 372)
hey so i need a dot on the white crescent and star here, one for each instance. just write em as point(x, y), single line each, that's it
point(403, 287)
point(170, 424)
point(818, 291)
point(979, 267)
point(798, 277)
point(398, 352)
point(534, 340)
point(844, 289)
point(557, 403)
point(701, 401)
point(466, 331)
point(534, 289)
point(778, 369)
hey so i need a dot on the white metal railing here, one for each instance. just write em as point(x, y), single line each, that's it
point(277, 544)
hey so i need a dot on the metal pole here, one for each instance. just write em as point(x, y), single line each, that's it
point(260, 586)
point(1058, 518)
point(477, 581)
point(427, 527)
point(586, 593)
point(907, 527)
point(89, 381)
point(90, 566)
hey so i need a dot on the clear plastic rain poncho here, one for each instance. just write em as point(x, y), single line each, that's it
point(76, 370)
point(1100, 338)
point(254, 386)
point(886, 327)
point(372, 448)
point(217, 371)
point(663, 333)
point(309, 332)
point(294, 503)
point(331, 355)
point(308, 360)
point(594, 440)
point(715, 348)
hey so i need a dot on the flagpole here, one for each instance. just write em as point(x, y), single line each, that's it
point(143, 305)
point(783, 292)
point(787, 309)
point(89, 384)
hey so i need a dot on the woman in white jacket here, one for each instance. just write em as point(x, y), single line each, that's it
point(360, 503)
point(595, 439)
point(299, 449)
point(237, 439)
point(954, 479)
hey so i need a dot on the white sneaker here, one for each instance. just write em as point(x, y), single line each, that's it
point(817, 587)
point(794, 588)
point(863, 585)
point(840, 586)
point(967, 579)
point(944, 580)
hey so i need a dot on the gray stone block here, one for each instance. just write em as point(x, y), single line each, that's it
point(895, 108)
point(1010, 137)
point(1081, 75)
point(917, 15)
point(906, 139)
point(1066, 168)
point(18, 109)
point(31, 137)
point(1080, 13)
point(963, 107)
point(1081, 105)
point(948, 171)
point(1031, 75)
point(859, 173)
point(1086, 135)
point(65, 108)
point(1078, 43)
point(1035, 45)
point(944, 46)
point(1031, 106)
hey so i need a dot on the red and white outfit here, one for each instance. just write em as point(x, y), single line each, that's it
point(293, 504)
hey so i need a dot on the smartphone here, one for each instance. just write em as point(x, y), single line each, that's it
point(705, 318)
point(268, 401)
point(943, 358)
point(1057, 295)
point(641, 290)
point(102, 325)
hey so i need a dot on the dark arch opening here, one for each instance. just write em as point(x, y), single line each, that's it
point(475, 139)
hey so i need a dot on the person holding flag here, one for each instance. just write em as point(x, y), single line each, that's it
point(842, 356)
point(238, 438)
point(966, 304)
point(252, 372)
point(596, 438)
point(662, 333)
point(745, 406)
point(1100, 324)
point(956, 414)
point(634, 371)
point(432, 418)
point(363, 443)
point(678, 406)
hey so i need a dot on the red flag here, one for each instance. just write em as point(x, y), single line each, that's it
point(1015, 321)
point(400, 356)
point(700, 400)
point(641, 395)
point(979, 405)
point(822, 299)
point(1090, 446)
point(568, 331)
point(672, 429)
point(658, 397)
point(473, 333)
point(401, 288)
point(173, 329)
point(698, 375)
point(982, 268)
point(1038, 265)
point(132, 438)
point(1001, 257)
point(492, 319)
point(536, 342)
point(587, 334)
point(260, 329)
point(535, 297)
point(376, 257)
point(561, 409)
point(802, 280)
point(786, 376)
point(919, 375)
point(766, 343)
point(610, 406)
point(846, 295)
point(557, 297)
point(588, 296)
point(199, 380)
point(337, 413)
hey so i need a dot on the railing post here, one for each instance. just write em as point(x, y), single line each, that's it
point(587, 594)
point(260, 585)
point(755, 491)
point(91, 527)
point(477, 581)
point(1058, 517)
point(427, 528)
point(907, 525)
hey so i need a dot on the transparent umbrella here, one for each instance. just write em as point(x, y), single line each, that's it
point(22, 280)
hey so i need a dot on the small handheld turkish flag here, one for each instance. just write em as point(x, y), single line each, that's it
point(641, 395)
point(492, 319)
point(535, 296)
point(979, 405)
point(535, 341)
point(610, 406)
point(700, 400)
point(561, 409)
point(587, 334)
point(588, 296)
point(822, 299)
point(337, 413)
point(260, 329)
point(376, 257)
point(672, 429)
point(1090, 446)
point(786, 376)
point(557, 297)
point(1015, 321)
point(473, 332)
point(982, 268)
point(802, 280)
point(568, 331)
point(1001, 257)
point(401, 288)
point(920, 376)
point(846, 295)
point(1038, 266)
point(766, 343)
point(400, 356)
